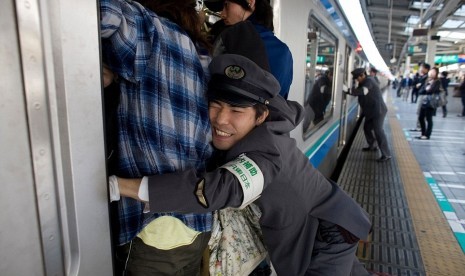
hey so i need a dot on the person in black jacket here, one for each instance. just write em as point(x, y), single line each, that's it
point(427, 109)
point(375, 110)
point(444, 84)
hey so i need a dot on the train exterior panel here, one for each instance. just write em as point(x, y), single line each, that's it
point(55, 218)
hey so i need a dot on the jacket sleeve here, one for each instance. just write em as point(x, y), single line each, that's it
point(188, 191)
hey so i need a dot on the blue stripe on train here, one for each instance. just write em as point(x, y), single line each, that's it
point(317, 153)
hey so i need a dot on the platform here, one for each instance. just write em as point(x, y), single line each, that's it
point(416, 200)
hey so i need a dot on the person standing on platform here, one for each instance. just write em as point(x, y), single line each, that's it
point(373, 74)
point(423, 76)
point(431, 88)
point(416, 79)
point(445, 85)
point(157, 50)
point(375, 111)
point(310, 226)
point(462, 95)
point(260, 13)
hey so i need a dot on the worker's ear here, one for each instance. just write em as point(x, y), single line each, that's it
point(263, 117)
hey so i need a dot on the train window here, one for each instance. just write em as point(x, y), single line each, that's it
point(345, 79)
point(321, 57)
point(357, 62)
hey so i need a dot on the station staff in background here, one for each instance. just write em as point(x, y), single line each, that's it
point(321, 95)
point(375, 110)
point(158, 53)
point(310, 226)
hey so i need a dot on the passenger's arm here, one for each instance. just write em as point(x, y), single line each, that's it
point(120, 26)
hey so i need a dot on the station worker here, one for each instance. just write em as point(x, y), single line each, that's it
point(310, 226)
point(374, 109)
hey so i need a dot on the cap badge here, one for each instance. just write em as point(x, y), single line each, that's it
point(234, 72)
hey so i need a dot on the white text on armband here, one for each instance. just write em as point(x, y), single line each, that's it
point(249, 175)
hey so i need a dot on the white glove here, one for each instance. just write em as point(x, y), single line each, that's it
point(114, 188)
point(143, 193)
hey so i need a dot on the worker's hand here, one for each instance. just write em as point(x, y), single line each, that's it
point(345, 89)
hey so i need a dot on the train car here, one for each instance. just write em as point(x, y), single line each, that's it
point(54, 201)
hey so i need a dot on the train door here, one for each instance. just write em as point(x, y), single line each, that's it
point(343, 113)
point(54, 202)
point(319, 100)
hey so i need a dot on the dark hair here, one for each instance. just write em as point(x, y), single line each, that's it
point(444, 73)
point(183, 13)
point(260, 109)
point(426, 66)
point(263, 13)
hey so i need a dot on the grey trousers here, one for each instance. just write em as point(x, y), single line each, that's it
point(333, 256)
point(376, 125)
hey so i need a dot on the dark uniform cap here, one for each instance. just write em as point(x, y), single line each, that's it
point(239, 81)
point(357, 72)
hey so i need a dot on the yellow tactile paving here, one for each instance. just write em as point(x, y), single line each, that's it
point(439, 248)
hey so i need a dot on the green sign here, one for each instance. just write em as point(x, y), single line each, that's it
point(446, 59)
point(319, 59)
point(417, 48)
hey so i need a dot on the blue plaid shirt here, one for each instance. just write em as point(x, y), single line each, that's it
point(163, 113)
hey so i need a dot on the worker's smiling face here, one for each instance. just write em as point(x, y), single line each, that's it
point(231, 123)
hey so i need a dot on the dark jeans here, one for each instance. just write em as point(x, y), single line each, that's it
point(144, 260)
point(414, 95)
point(426, 113)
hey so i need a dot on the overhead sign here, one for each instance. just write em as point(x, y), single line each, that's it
point(420, 48)
point(448, 59)
point(420, 32)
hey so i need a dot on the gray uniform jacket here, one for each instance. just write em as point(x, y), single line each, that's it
point(373, 104)
point(294, 199)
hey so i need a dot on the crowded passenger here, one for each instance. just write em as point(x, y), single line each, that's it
point(310, 226)
point(160, 56)
point(260, 13)
point(428, 106)
point(375, 110)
